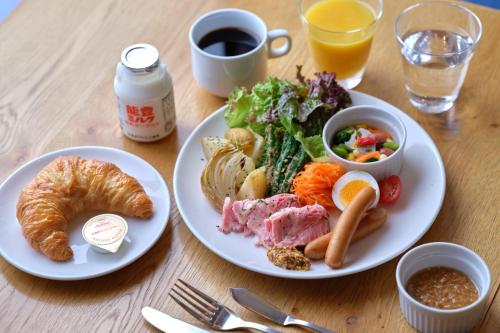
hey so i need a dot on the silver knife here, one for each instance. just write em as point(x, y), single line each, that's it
point(257, 304)
point(168, 324)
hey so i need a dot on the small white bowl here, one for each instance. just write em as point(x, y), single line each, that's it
point(378, 118)
point(428, 319)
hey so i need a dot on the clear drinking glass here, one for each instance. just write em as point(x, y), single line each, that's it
point(437, 40)
point(343, 50)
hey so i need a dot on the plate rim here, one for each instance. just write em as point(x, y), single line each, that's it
point(57, 152)
point(285, 274)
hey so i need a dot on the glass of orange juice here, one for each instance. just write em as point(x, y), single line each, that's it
point(340, 34)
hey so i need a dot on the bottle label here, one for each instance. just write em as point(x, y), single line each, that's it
point(147, 121)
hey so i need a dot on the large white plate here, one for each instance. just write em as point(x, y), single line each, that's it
point(423, 183)
point(86, 263)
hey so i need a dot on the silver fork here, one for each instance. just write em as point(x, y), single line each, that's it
point(209, 311)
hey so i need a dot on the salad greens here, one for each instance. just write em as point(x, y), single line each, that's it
point(300, 108)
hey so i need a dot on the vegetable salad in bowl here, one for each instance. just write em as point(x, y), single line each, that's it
point(363, 144)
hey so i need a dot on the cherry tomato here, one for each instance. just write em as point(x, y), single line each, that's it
point(390, 189)
point(365, 141)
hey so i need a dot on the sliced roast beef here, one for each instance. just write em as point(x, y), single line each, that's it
point(248, 215)
point(295, 226)
point(229, 220)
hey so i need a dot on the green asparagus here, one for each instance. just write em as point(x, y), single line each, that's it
point(296, 163)
point(269, 132)
point(288, 149)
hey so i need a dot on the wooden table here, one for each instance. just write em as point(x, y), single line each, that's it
point(57, 63)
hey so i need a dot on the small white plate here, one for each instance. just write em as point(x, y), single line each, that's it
point(423, 188)
point(86, 263)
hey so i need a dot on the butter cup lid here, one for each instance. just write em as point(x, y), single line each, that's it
point(105, 231)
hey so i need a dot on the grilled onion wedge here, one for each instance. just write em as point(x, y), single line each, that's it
point(211, 144)
point(224, 174)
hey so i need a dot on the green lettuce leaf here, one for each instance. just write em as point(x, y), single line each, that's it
point(301, 108)
point(313, 145)
point(239, 107)
point(248, 108)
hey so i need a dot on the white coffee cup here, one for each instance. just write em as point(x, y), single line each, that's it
point(221, 74)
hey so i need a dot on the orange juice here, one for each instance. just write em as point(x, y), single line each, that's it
point(340, 35)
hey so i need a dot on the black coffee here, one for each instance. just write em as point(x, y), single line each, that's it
point(228, 42)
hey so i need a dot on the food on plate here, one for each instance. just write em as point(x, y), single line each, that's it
point(315, 183)
point(301, 108)
point(296, 226)
point(278, 124)
point(248, 215)
point(230, 170)
point(224, 174)
point(242, 138)
point(273, 147)
point(258, 147)
point(211, 144)
point(254, 185)
point(285, 159)
point(278, 220)
point(284, 173)
point(288, 257)
point(363, 144)
point(390, 189)
point(373, 220)
point(442, 288)
point(252, 144)
point(70, 185)
point(290, 117)
point(347, 187)
point(346, 226)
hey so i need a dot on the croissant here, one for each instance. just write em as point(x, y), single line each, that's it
point(68, 186)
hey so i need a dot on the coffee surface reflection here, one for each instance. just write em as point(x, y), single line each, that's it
point(228, 42)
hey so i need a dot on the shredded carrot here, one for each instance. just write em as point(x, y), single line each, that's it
point(366, 157)
point(315, 183)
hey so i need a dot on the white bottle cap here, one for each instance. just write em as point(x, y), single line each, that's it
point(140, 58)
point(105, 232)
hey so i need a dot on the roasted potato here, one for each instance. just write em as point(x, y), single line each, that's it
point(242, 138)
point(254, 186)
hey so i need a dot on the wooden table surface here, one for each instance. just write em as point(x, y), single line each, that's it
point(57, 63)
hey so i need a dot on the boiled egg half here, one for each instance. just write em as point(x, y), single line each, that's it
point(346, 188)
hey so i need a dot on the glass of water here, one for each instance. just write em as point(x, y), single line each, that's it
point(437, 40)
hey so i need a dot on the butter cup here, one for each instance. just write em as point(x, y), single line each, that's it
point(105, 233)
point(428, 319)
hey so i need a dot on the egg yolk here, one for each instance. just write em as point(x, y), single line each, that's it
point(349, 191)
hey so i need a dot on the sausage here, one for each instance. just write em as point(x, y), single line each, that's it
point(346, 225)
point(373, 220)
